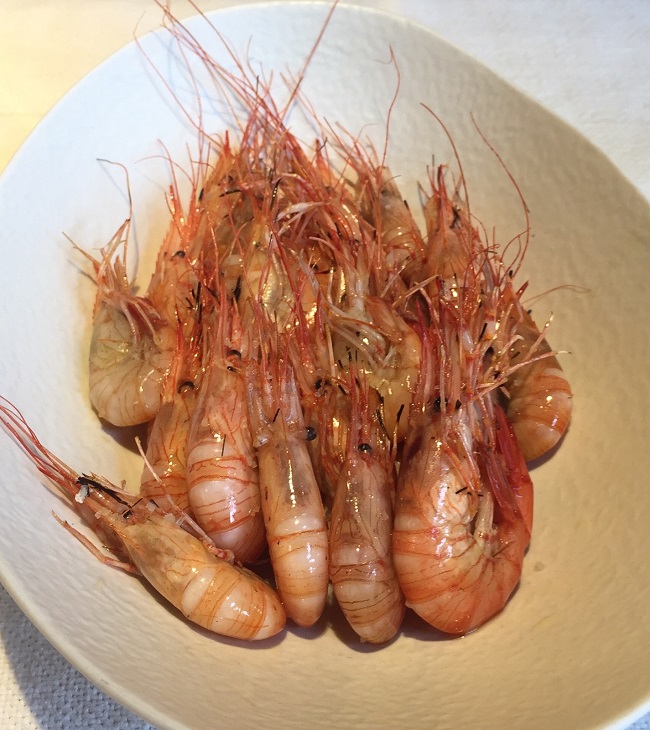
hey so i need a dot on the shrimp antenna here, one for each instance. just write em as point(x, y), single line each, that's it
point(309, 58)
point(392, 60)
point(492, 149)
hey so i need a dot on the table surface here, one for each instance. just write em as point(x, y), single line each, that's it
point(586, 61)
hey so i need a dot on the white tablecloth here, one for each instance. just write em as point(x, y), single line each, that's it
point(587, 60)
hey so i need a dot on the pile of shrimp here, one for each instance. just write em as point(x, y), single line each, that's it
point(327, 388)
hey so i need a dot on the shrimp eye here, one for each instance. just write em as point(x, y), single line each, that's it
point(234, 353)
point(364, 448)
point(231, 368)
point(187, 385)
point(311, 433)
point(179, 255)
point(318, 384)
point(237, 290)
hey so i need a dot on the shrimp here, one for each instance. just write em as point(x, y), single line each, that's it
point(460, 534)
point(401, 243)
point(463, 511)
point(294, 517)
point(222, 473)
point(376, 338)
point(539, 397)
point(365, 330)
point(163, 477)
point(396, 375)
point(174, 287)
point(452, 241)
point(537, 392)
point(160, 545)
point(308, 351)
point(361, 522)
point(132, 347)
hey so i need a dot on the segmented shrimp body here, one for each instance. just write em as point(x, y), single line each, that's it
point(460, 532)
point(222, 473)
point(208, 590)
point(361, 523)
point(539, 397)
point(464, 498)
point(162, 546)
point(132, 346)
point(294, 517)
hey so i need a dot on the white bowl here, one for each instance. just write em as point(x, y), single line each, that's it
point(571, 648)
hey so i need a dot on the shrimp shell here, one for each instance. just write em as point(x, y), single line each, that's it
point(207, 590)
point(460, 534)
point(539, 396)
point(185, 569)
point(294, 517)
point(163, 477)
point(222, 473)
point(361, 523)
point(131, 356)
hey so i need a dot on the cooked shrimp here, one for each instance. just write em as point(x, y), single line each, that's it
point(161, 546)
point(361, 522)
point(309, 353)
point(367, 331)
point(396, 374)
point(293, 510)
point(163, 477)
point(452, 241)
point(174, 287)
point(402, 246)
point(539, 395)
point(464, 498)
point(132, 347)
point(222, 473)
point(460, 535)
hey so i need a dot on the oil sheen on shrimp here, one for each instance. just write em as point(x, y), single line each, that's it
point(539, 395)
point(222, 473)
point(460, 533)
point(294, 517)
point(361, 524)
point(161, 546)
point(163, 476)
point(132, 347)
